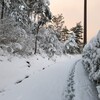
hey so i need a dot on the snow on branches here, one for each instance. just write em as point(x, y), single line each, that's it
point(91, 59)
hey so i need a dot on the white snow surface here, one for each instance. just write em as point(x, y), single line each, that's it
point(37, 78)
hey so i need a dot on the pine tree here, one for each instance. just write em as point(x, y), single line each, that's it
point(64, 34)
point(78, 30)
point(70, 44)
point(57, 23)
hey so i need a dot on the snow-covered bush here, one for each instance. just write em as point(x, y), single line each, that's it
point(98, 89)
point(28, 45)
point(91, 59)
point(10, 32)
point(15, 38)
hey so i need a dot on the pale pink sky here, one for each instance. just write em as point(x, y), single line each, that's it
point(72, 11)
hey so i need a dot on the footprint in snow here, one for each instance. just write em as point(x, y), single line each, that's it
point(26, 77)
point(19, 81)
point(29, 65)
point(1, 91)
point(43, 68)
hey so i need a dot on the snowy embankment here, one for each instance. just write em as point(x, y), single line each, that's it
point(35, 78)
point(84, 88)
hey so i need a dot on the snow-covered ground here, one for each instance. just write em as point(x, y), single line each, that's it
point(36, 78)
point(79, 87)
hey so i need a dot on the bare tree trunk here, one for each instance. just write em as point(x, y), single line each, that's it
point(35, 45)
point(36, 41)
point(2, 10)
point(85, 22)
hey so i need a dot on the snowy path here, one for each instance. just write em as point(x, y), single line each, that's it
point(47, 84)
point(78, 85)
point(84, 89)
point(65, 79)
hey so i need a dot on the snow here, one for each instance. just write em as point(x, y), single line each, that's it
point(84, 89)
point(40, 78)
point(13, 69)
point(41, 84)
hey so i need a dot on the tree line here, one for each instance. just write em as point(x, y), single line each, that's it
point(28, 27)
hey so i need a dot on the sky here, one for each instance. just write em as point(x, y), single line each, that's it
point(72, 11)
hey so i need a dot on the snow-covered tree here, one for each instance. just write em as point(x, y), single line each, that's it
point(78, 30)
point(49, 42)
point(91, 59)
point(19, 22)
point(64, 34)
point(57, 24)
point(42, 15)
point(70, 44)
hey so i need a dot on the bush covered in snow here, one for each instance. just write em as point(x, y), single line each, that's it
point(14, 39)
point(91, 59)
